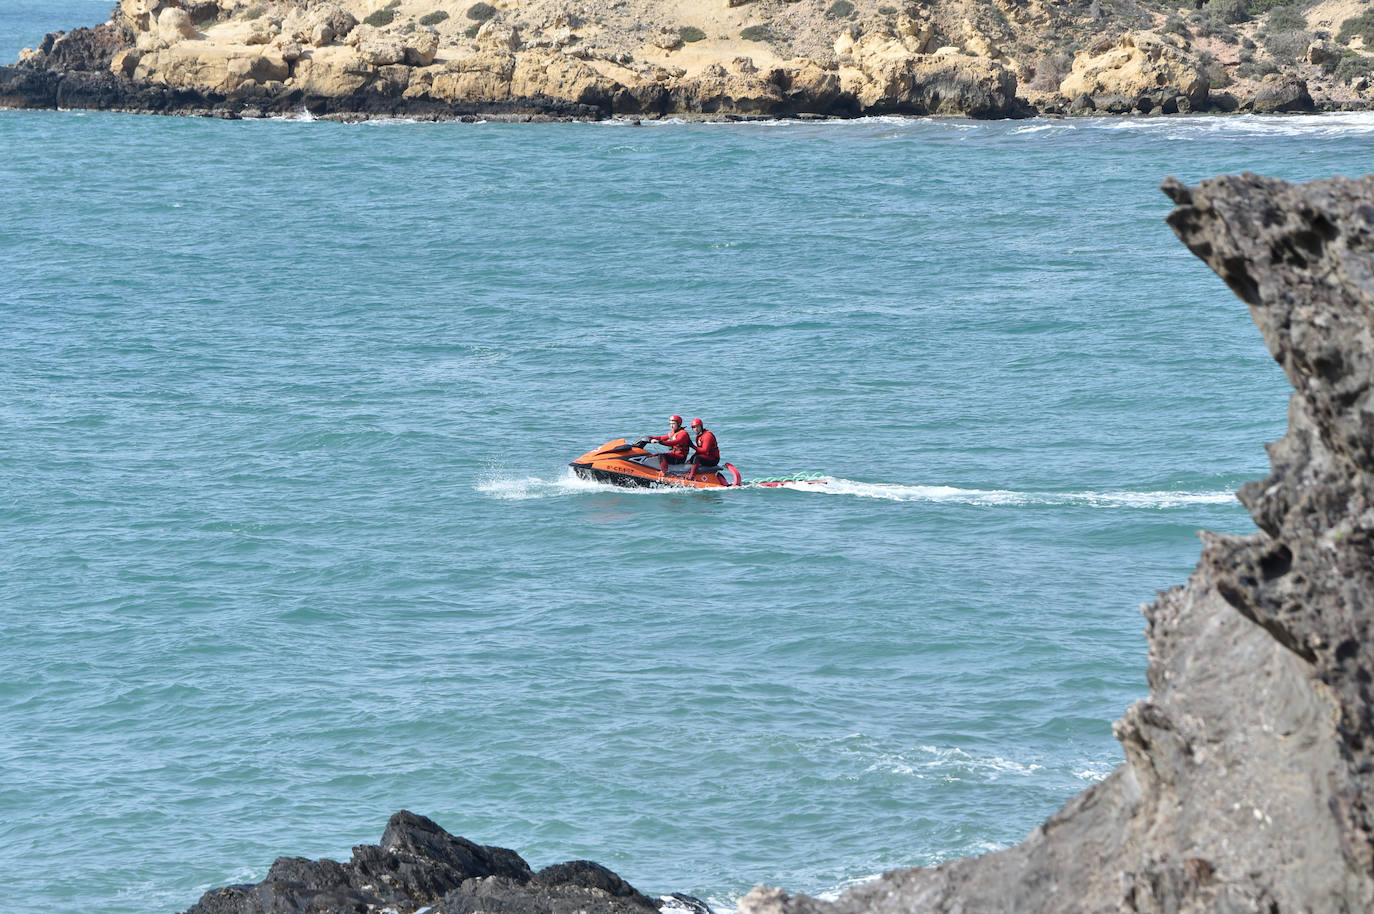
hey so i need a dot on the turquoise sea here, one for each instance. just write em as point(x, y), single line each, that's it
point(289, 542)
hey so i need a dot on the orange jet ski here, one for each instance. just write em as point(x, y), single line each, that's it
point(623, 464)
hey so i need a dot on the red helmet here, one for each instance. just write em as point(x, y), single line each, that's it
point(677, 419)
point(697, 423)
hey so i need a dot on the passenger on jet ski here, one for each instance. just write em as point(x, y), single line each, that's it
point(677, 441)
point(708, 451)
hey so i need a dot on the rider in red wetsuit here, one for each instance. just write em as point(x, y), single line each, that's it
point(708, 451)
point(677, 441)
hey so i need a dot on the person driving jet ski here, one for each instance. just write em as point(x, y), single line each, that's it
point(677, 441)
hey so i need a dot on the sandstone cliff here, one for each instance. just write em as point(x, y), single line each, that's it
point(448, 58)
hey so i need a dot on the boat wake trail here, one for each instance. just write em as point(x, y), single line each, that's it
point(520, 488)
point(1012, 498)
point(527, 487)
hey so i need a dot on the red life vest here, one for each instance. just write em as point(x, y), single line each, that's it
point(679, 441)
point(706, 447)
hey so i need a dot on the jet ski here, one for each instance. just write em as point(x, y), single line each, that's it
point(622, 463)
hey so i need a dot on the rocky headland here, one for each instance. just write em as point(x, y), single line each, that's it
point(1248, 781)
point(703, 58)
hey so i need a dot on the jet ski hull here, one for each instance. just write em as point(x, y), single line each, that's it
point(622, 464)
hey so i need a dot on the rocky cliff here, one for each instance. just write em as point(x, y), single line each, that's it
point(564, 58)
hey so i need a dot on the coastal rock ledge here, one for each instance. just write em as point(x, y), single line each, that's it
point(540, 59)
point(1248, 784)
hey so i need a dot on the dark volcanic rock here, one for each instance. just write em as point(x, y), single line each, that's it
point(84, 49)
point(1249, 777)
point(419, 864)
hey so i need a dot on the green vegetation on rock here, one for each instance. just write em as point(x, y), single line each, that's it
point(1354, 66)
point(481, 12)
point(1285, 19)
point(1258, 68)
point(1264, 6)
point(690, 33)
point(757, 33)
point(1284, 34)
point(1228, 11)
point(433, 18)
point(254, 12)
point(1361, 25)
point(1217, 76)
point(380, 17)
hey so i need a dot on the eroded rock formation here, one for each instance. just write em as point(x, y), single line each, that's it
point(1248, 784)
point(1139, 72)
point(229, 57)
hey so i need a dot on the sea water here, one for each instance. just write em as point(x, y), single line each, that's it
point(290, 542)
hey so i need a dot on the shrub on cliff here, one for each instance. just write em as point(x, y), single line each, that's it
point(840, 9)
point(757, 33)
point(1228, 11)
point(1285, 19)
point(690, 33)
point(1210, 25)
point(1284, 34)
point(1353, 67)
point(1257, 69)
point(379, 18)
point(1050, 71)
point(1217, 76)
point(1361, 25)
point(481, 12)
point(1175, 24)
point(433, 18)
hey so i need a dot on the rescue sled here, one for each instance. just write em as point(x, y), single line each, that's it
point(623, 463)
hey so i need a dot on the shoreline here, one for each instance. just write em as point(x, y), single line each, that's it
point(517, 113)
point(184, 57)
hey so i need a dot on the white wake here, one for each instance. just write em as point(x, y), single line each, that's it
point(1014, 498)
point(519, 488)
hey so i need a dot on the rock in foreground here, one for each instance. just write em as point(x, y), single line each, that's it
point(1248, 784)
point(418, 864)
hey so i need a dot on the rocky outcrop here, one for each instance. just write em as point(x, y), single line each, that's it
point(894, 74)
point(229, 58)
point(1282, 94)
point(702, 57)
point(1140, 72)
point(418, 864)
point(1248, 784)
